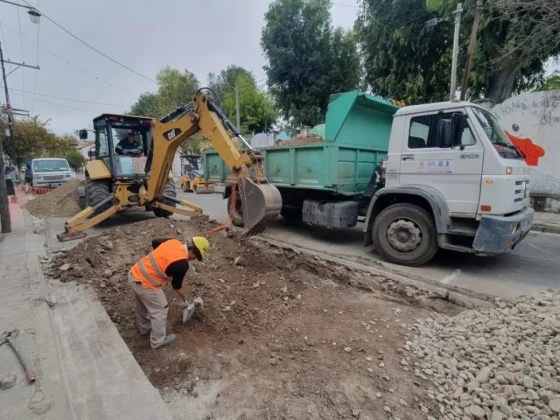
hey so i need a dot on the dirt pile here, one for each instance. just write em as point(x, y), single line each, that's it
point(60, 202)
point(282, 335)
point(301, 140)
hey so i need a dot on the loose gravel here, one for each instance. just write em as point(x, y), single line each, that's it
point(492, 364)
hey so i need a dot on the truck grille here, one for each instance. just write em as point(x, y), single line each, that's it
point(53, 177)
point(521, 191)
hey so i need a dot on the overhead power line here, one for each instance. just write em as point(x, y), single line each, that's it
point(92, 47)
point(68, 62)
point(69, 99)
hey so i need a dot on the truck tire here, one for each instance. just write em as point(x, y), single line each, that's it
point(96, 192)
point(405, 234)
point(293, 214)
point(237, 218)
point(171, 192)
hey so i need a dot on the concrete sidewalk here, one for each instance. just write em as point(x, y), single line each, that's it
point(546, 222)
point(84, 369)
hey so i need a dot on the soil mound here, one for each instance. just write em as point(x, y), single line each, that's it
point(60, 202)
point(301, 140)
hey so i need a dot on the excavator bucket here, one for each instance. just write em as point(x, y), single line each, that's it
point(261, 204)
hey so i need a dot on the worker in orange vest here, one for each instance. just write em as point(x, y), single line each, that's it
point(169, 261)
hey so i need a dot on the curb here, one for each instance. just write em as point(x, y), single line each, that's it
point(546, 227)
point(459, 296)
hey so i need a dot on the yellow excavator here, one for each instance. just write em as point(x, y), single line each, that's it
point(192, 179)
point(136, 171)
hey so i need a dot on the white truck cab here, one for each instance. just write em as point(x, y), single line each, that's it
point(453, 181)
point(50, 172)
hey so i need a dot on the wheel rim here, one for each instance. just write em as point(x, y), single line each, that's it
point(404, 235)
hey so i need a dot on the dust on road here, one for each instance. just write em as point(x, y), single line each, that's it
point(281, 335)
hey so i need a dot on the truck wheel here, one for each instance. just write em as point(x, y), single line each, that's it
point(171, 192)
point(96, 192)
point(293, 214)
point(405, 234)
point(237, 218)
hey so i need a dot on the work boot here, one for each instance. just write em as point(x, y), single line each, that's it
point(168, 340)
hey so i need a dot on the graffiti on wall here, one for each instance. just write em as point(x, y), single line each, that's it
point(532, 123)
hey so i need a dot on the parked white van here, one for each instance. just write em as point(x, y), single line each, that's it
point(50, 172)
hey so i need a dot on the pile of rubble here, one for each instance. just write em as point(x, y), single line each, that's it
point(60, 202)
point(492, 363)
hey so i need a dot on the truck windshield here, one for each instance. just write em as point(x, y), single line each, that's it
point(51, 165)
point(496, 135)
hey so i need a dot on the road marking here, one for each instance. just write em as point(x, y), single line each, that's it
point(541, 249)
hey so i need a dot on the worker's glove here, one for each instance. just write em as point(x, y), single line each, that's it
point(179, 291)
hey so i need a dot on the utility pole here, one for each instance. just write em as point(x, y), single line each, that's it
point(453, 88)
point(237, 116)
point(472, 43)
point(5, 220)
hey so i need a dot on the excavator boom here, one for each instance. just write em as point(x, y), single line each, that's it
point(261, 202)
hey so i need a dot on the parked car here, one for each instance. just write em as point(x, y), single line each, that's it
point(50, 172)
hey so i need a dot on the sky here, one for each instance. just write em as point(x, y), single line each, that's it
point(201, 36)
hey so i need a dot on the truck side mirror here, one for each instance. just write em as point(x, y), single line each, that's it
point(445, 133)
point(83, 134)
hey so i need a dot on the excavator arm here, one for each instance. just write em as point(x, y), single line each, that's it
point(260, 200)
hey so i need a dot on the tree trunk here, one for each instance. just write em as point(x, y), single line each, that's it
point(502, 82)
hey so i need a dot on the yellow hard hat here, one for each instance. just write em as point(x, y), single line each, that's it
point(201, 245)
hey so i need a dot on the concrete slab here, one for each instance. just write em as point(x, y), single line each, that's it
point(84, 369)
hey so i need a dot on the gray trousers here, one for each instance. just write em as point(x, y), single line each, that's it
point(151, 311)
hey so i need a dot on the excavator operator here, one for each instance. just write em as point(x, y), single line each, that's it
point(169, 261)
point(129, 146)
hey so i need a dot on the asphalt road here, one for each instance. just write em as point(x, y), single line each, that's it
point(533, 266)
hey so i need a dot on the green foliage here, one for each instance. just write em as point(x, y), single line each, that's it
point(406, 60)
point(75, 159)
point(403, 59)
point(174, 89)
point(256, 109)
point(552, 82)
point(225, 80)
point(307, 59)
point(31, 139)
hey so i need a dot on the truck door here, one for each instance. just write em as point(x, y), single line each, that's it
point(455, 172)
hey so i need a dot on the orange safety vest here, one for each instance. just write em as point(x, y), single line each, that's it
point(150, 270)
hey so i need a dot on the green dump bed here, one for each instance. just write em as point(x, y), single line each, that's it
point(357, 131)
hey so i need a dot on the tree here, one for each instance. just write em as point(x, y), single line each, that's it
point(307, 60)
point(75, 159)
point(226, 80)
point(145, 106)
point(406, 60)
point(31, 139)
point(174, 89)
point(256, 109)
point(552, 82)
point(403, 59)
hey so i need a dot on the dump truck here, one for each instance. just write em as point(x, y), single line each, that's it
point(452, 178)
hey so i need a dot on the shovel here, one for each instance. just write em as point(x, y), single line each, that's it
point(188, 312)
